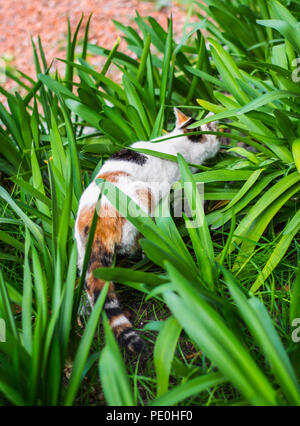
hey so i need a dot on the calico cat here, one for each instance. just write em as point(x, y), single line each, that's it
point(145, 179)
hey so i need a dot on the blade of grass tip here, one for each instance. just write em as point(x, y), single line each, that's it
point(68, 71)
point(36, 58)
point(151, 88)
point(134, 100)
point(112, 85)
point(113, 375)
point(42, 54)
point(245, 188)
point(84, 348)
point(170, 85)
point(158, 124)
point(71, 44)
point(134, 117)
point(198, 65)
point(75, 165)
point(36, 86)
point(86, 37)
point(109, 59)
point(143, 62)
point(44, 95)
point(166, 65)
point(57, 148)
point(164, 350)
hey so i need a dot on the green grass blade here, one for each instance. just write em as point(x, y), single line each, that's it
point(84, 347)
point(113, 374)
point(191, 387)
point(164, 349)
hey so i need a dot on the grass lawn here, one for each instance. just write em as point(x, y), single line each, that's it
point(217, 304)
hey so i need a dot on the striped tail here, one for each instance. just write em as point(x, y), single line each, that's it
point(121, 326)
point(119, 323)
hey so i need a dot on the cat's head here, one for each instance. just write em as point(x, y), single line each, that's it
point(183, 122)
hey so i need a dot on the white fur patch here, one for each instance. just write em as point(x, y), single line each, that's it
point(157, 175)
point(120, 321)
point(112, 304)
point(130, 334)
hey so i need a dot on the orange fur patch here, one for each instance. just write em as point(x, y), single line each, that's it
point(112, 176)
point(110, 223)
point(108, 229)
point(94, 285)
point(85, 219)
point(181, 117)
point(145, 196)
point(118, 330)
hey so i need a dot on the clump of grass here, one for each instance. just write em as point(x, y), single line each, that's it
point(215, 302)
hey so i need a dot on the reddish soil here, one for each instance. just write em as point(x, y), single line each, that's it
point(23, 19)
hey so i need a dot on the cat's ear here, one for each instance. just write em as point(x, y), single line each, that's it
point(181, 118)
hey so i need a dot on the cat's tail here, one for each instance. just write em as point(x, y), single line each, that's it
point(119, 323)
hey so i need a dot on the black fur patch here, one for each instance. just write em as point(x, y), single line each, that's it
point(96, 295)
point(112, 312)
point(195, 138)
point(93, 258)
point(106, 258)
point(192, 138)
point(122, 336)
point(137, 346)
point(133, 342)
point(131, 156)
point(101, 256)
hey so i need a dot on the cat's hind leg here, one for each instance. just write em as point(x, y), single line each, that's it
point(108, 236)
